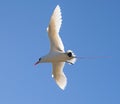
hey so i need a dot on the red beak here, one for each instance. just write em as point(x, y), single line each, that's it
point(37, 63)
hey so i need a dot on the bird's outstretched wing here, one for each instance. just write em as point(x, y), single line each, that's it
point(59, 75)
point(53, 30)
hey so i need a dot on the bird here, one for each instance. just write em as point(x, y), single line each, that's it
point(57, 55)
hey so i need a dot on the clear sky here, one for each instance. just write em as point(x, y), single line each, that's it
point(90, 28)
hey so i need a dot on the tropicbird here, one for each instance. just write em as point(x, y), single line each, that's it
point(57, 56)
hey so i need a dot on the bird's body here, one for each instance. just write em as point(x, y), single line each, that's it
point(57, 56)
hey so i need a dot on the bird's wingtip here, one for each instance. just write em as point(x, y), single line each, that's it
point(63, 88)
point(58, 6)
point(60, 82)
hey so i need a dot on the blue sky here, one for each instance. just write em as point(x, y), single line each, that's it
point(90, 28)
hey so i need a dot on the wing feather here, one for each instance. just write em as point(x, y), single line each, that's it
point(53, 30)
point(59, 75)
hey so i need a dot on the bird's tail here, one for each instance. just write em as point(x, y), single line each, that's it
point(93, 57)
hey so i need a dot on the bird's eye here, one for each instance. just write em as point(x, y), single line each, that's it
point(69, 54)
point(39, 59)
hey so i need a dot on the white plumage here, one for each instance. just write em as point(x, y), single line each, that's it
point(53, 30)
point(59, 75)
point(57, 56)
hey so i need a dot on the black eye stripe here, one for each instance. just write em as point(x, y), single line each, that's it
point(39, 59)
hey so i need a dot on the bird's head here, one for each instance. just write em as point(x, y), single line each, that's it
point(38, 61)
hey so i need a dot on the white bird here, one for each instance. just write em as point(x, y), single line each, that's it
point(57, 56)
